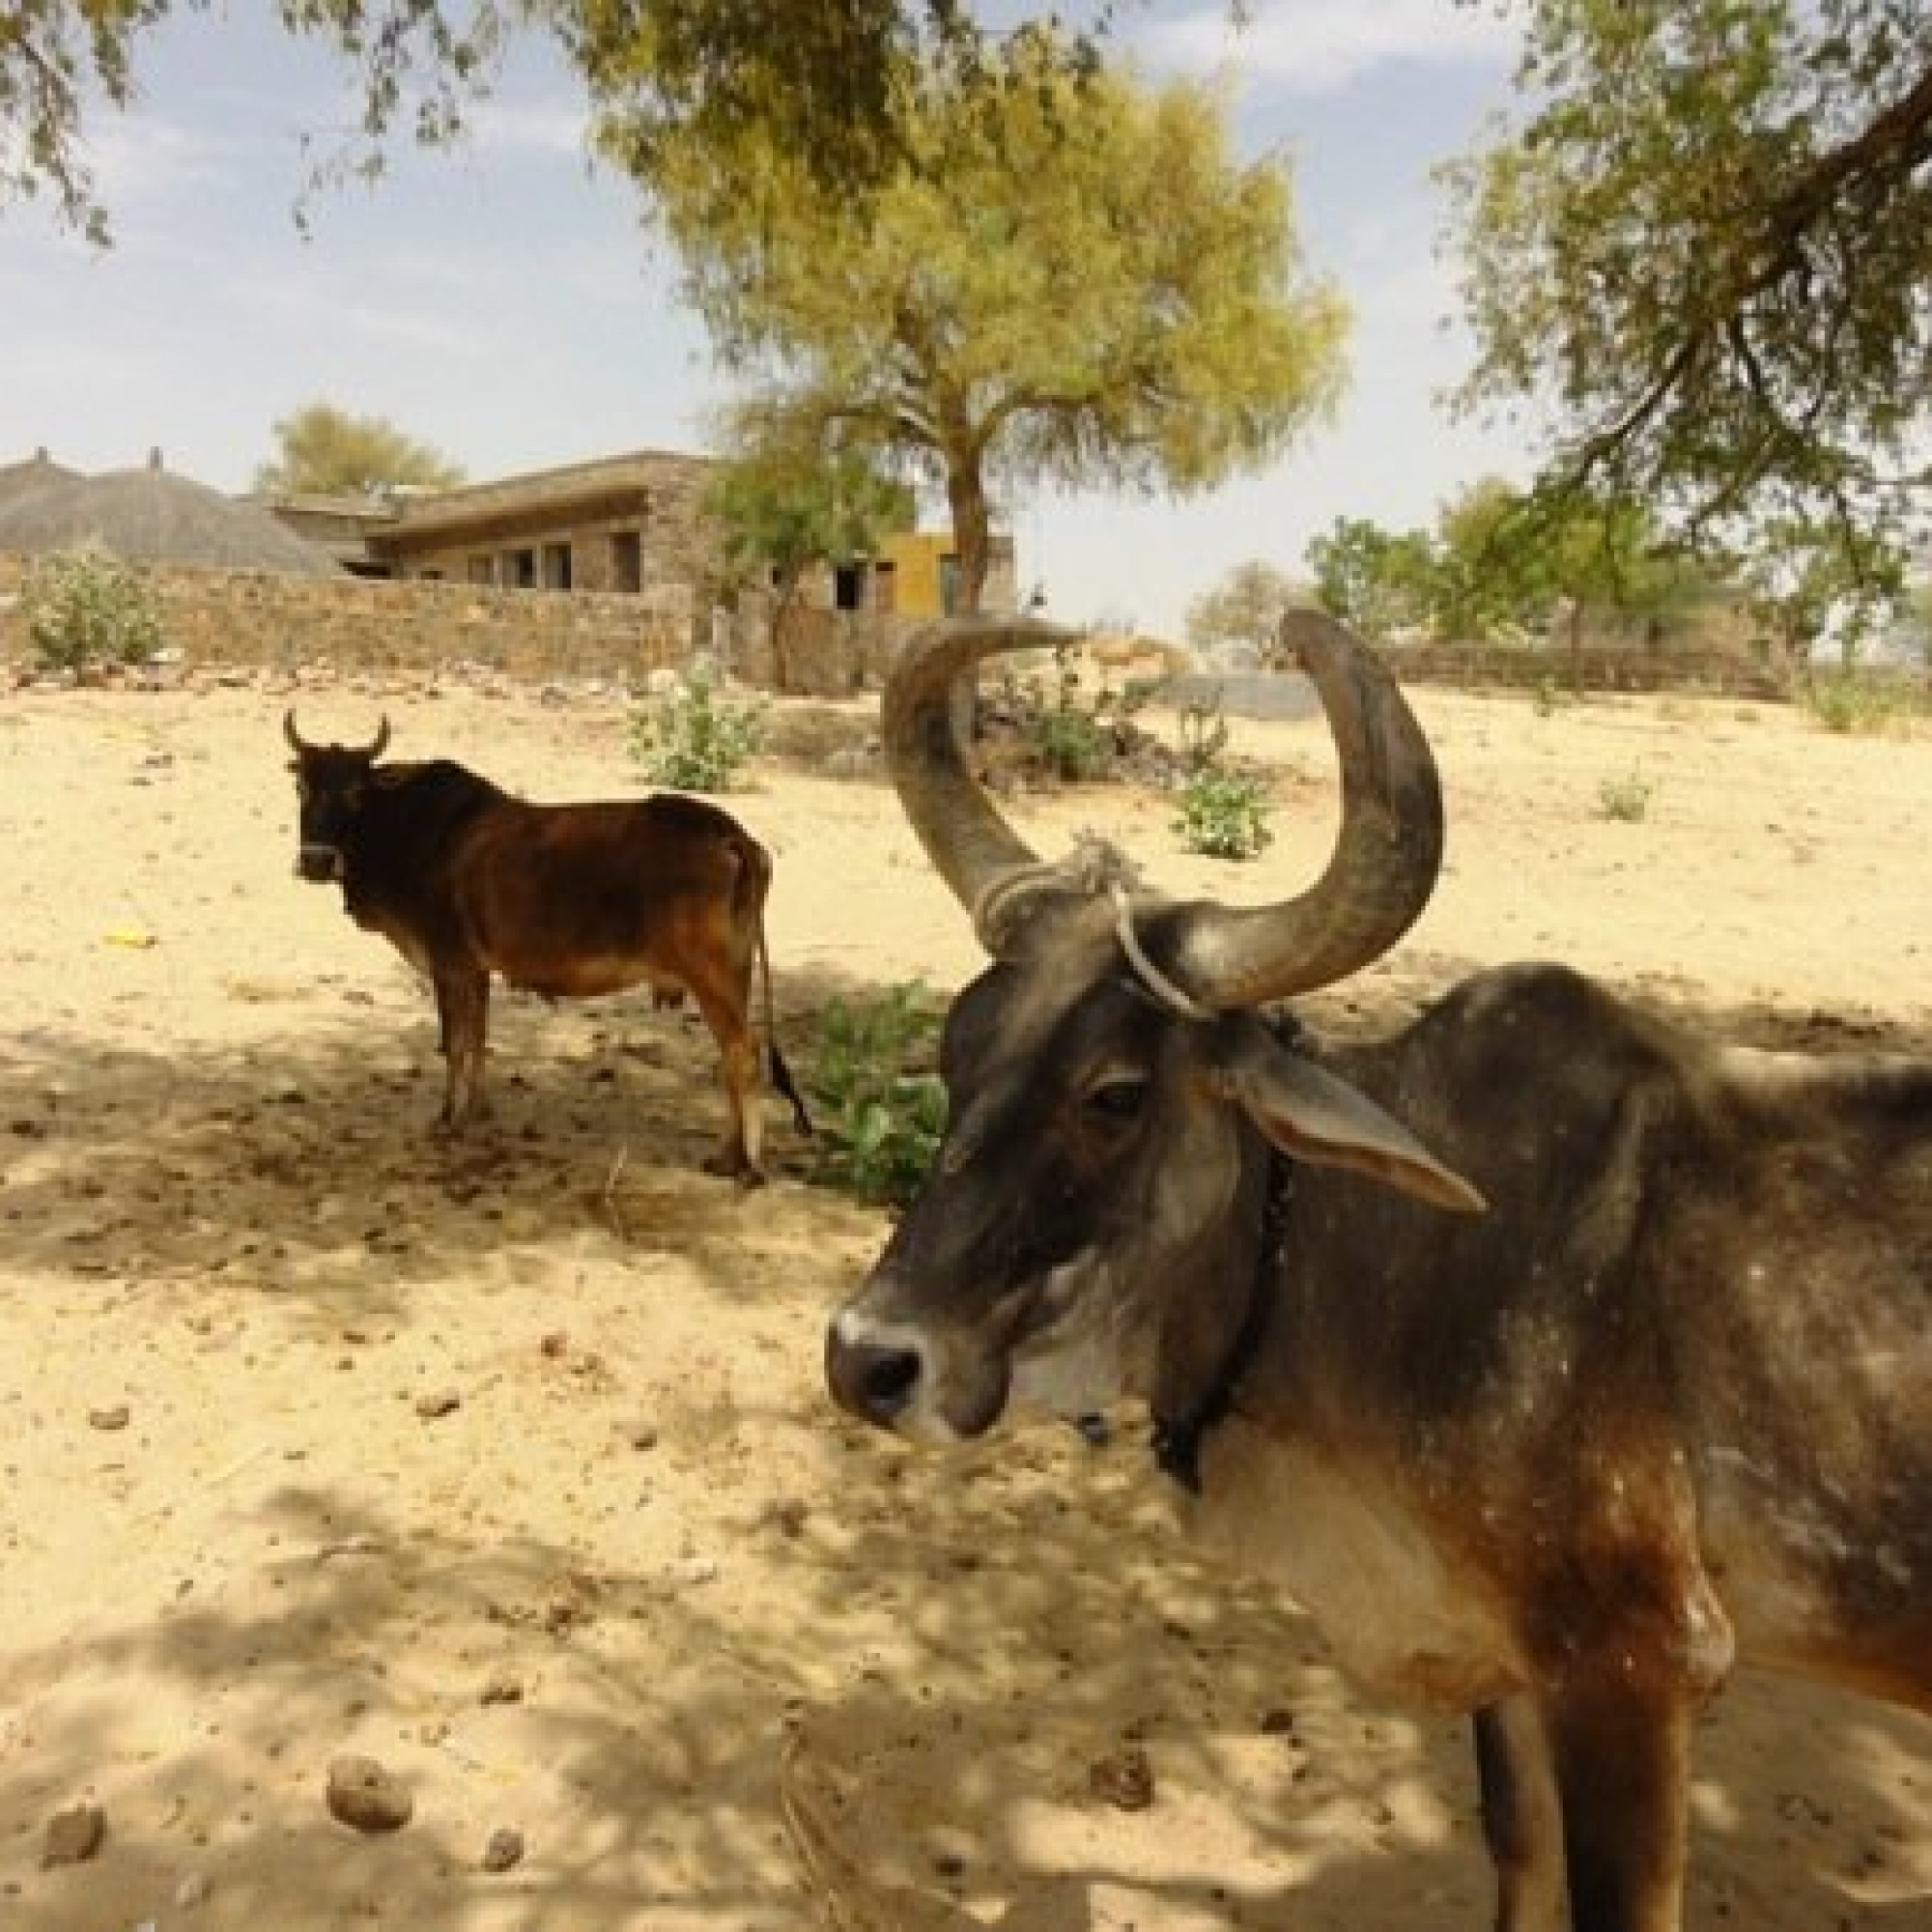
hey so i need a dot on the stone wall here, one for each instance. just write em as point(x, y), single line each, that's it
point(245, 618)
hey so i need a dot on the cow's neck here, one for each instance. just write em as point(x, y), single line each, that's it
point(1184, 1419)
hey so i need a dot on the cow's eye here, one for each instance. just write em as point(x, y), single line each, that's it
point(1117, 1100)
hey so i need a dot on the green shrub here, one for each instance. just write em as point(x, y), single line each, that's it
point(84, 607)
point(1077, 738)
point(881, 1108)
point(1850, 703)
point(1626, 796)
point(693, 739)
point(1224, 813)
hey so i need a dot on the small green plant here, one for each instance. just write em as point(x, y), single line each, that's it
point(1626, 796)
point(1224, 813)
point(694, 740)
point(881, 1107)
point(1546, 695)
point(1077, 738)
point(84, 607)
point(1853, 704)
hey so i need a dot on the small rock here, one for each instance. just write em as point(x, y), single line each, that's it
point(504, 1689)
point(365, 1797)
point(504, 1851)
point(790, 1515)
point(74, 1836)
point(192, 1891)
point(555, 1344)
point(1124, 1778)
point(439, 1402)
point(111, 1416)
point(641, 1436)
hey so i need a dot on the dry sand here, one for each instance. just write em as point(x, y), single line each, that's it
point(505, 1461)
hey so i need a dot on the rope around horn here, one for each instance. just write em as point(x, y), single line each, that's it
point(1095, 867)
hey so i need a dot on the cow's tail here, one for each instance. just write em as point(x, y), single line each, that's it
point(755, 881)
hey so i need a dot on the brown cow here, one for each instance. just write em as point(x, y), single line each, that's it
point(1624, 1378)
point(566, 900)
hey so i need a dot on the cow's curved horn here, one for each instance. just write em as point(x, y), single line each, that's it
point(1378, 879)
point(1386, 856)
point(297, 742)
point(967, 840)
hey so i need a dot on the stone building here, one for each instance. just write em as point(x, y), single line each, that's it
point(618, 524)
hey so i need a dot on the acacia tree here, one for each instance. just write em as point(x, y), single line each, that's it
point(819, 76)
point(1706, 243)
point(1375, 581)
point(781, 509)
point(1066, 281)
point(325, 451)
point(1244, 609)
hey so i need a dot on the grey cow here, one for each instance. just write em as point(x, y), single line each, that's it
point(1555, 1358)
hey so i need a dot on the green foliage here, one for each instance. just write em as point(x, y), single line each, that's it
point(1857, 703)
point(880, 1107)
point(1626, 796)
point(1224, 812)
point(327, 452)
point(822, 81)
point(1702, 246)
point(1375, 580)
point(85, 608)
point(694, 739)
point(1076, 737)
point(1068, 278)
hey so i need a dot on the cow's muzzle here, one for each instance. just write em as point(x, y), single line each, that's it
point(908, 1381)
point(874, 1380)
point(321, 865)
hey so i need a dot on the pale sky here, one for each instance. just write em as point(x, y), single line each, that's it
point(504, 305)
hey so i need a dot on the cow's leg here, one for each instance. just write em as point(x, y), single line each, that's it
point(1622, 1751)
point(463, 1004)
point(1522, 1816)
point(739, 1153)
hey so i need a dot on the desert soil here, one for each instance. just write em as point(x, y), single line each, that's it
point(504, 1461)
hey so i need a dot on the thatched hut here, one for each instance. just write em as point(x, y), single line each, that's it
point(151, 515)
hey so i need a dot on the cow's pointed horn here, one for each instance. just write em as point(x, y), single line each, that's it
point(296, 743)
point(963, 833)
point(1386, 856)
point(381, 739)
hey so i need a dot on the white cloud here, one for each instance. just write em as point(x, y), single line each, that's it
point(1318, 46)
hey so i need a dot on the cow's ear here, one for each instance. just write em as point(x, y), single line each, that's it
point(1310, 1114)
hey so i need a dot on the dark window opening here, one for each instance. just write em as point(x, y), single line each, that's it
point(848, 587)
point(523, 571)
point(557, 566)
point(627, 561)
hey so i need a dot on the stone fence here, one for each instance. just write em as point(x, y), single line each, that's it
point(260, 619)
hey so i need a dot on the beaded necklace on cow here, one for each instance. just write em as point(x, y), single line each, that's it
point(1178, 1439)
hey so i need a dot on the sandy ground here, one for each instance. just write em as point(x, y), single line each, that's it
point(505, 1461)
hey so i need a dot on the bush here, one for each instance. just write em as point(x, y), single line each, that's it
point(1850, 703)
point(1224, 813)
point(881, 1108)
point(694, 740)
point(1075, 737)
point(1625, 797)
point(84, 607)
